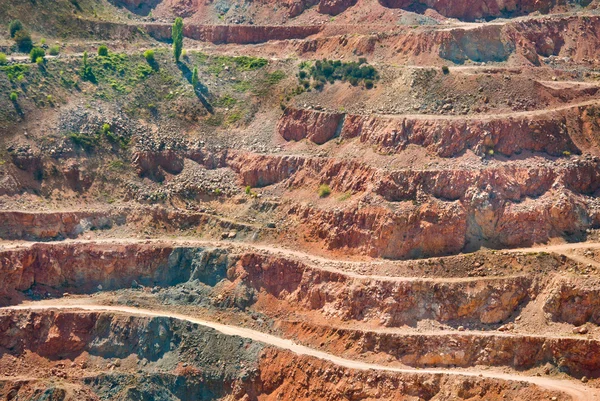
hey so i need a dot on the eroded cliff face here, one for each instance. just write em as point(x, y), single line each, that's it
point(390, 303)
point(168, 359)
point(576, 356)
point(574, 302)
point(317, 379)
point(434, 212)
point(85, 268)
point(177, 360)
point(470, 11)
point(551, 132)
point(233, 34)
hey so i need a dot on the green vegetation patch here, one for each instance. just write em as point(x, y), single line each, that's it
point(324, 71)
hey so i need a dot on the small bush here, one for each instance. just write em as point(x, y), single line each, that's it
point(105, 128)
point(37, 52)
point(248, 190)
point(566, 153)
point(14, 97)
point(324, 191)
point(149, 55)
point(14, 27)
point(3, 59)
point(54, 50)
point(43, 41)
point(85, 141)
point(103, 51)
point(369, 83)
point(23, 41)
point(445, 70)
point(39, 61)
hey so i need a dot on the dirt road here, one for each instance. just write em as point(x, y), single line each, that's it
point(574, 389)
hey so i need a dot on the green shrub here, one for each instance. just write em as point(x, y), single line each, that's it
point(324, 191)
point(103, 51)
point(14, 27)
point(39, 61)
point(106, 128)
point(149, 55)
point(23, 41)
point(274, 77)
point(247, 63)
point(13, 96)
point(3, 59)
point(85, 141)
point(54, 50)
point(445, 70)
point(248, 190)
point(369, 83)
point(37, 52)
point(42, 41)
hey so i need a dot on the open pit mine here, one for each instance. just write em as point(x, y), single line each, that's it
point(299, 200)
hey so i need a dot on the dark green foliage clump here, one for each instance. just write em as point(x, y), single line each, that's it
point(103, 51)
point(23, 41)
point(14, 97)
point(37, 52)
point(324, 71)
point(14, 27)
point(177, 36)
point(445, 70)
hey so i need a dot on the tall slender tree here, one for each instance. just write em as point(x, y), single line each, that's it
point(195, 77)
point(177, 36)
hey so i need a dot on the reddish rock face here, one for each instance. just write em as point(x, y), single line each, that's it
point(297, 124)
point(150, 164)
point(471, 10)
point(575, 356)
point(574, 302)
point(550, 133)
point(239, 34)
point(390, 303)
point(334, 7)
point(311, 378)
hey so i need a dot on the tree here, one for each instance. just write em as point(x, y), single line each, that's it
point(23, 41)
point(37, 52)
point(14, 26)
point(86, 69)
point(195, 77)
point(177, 36)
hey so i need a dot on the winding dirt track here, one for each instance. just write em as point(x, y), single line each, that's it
point(575, 390)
